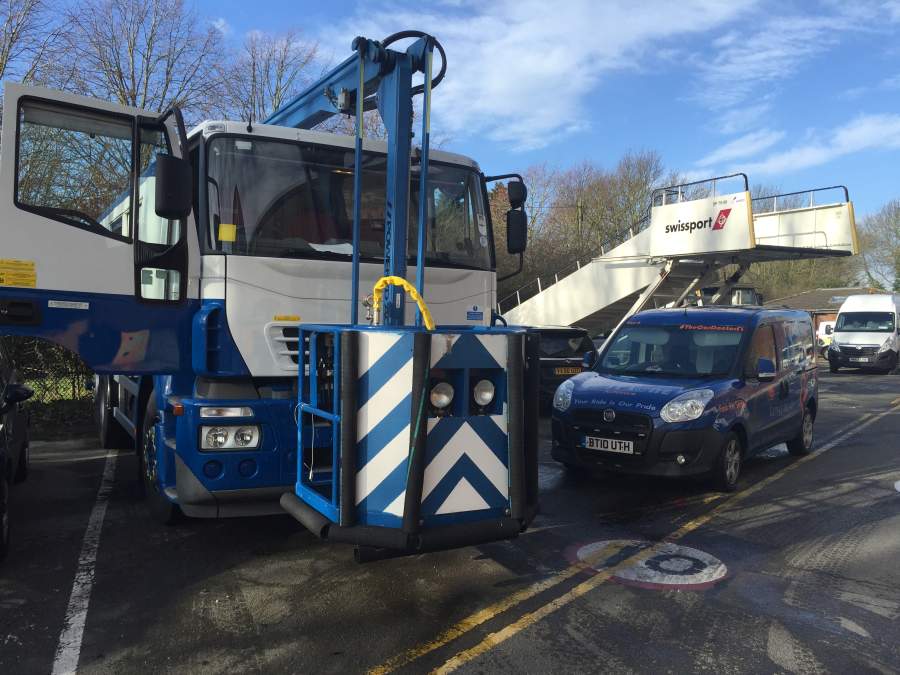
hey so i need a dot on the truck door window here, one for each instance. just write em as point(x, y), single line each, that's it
point(761, 347)
point(156, 283)
point(75, 166)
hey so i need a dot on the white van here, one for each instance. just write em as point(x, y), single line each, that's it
point(866, 333)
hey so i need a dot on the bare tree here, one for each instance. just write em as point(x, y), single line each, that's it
point(880, 235)
point(27, 35)
point(146, 53)
point(267, 71)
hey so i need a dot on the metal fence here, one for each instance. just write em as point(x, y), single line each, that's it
point(61, 404)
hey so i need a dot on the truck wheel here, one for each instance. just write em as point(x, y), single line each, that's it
point(161, 509)
point(111, 434)
point(728, 465)
point(801, 444)
point(22, 468)
point(4, 515)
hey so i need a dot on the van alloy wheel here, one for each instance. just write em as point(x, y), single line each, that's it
point(732, 461)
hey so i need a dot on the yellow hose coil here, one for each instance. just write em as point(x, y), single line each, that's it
point(384, 282)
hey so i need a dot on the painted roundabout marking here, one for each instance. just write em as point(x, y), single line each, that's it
point(671, 567)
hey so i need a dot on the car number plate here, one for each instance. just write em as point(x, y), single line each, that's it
point(859, 359)
point(609, 445)
point(567, 371)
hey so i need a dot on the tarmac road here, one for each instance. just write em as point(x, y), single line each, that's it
point(797, 572)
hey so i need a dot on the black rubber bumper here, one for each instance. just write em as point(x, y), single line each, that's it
point(699, 447)
point(883, 361)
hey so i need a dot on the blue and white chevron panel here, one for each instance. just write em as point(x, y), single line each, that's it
point(467, 457)
point(383, 425)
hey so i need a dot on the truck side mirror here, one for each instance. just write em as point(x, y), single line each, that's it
point(173, 187)
point(13, 394)
point(516, 231)
point(765, 370)
point(517, 193)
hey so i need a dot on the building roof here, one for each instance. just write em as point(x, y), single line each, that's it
point(821, 299)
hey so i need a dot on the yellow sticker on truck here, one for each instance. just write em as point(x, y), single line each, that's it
point(19, 273)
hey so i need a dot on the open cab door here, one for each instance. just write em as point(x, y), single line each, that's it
point(98, 243)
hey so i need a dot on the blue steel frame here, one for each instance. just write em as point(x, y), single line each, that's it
point(387, 74)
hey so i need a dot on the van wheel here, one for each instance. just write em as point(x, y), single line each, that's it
point(728, 466)
point(833, 368)
point(161, 509)
point(801, 444)
point(4, 515)
point(111, 434)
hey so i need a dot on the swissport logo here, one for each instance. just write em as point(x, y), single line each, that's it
point(721, 219)
point(694, 225)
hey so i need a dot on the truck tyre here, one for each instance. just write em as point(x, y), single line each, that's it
point(802, 443)
point(111, 434)
point(4, 514)
point(161, 508)
point(22, 468)
point(728, 465)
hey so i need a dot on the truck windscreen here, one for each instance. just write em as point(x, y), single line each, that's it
point(295, 200)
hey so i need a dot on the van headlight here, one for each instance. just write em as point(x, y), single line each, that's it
point(686, 407)
point(835, 347)
point(562, 399)
point(886, 346)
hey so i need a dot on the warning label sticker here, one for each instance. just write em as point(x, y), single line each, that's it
point(19, 273)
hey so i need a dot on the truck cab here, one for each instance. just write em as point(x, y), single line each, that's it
point(190, 320)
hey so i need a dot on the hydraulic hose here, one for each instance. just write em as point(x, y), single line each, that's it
point(402, 35)
point(384, 282)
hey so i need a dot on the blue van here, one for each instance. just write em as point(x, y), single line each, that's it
point(680, 392)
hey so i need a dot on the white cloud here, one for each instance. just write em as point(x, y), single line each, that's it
point(222, 25)
point(865, 132)
point(520, 71)
point(746, 146)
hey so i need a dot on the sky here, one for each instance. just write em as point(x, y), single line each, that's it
point(797, 95)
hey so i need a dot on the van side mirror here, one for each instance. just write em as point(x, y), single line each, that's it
point(516, 231)
point(829, 330)
point(587, 361)
point(517, 193)
point(173, 187)
point(765, 370)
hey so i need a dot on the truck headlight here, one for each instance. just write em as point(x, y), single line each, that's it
point(562, 399)
point(216, 411)
point(441, 395)
point(686, 407)
point(229, 438)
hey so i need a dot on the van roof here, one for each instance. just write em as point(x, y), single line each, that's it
point(884, 302)
point(741, 315)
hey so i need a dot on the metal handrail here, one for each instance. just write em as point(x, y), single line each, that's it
point(775, 198)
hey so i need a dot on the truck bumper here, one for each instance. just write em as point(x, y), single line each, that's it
point(196, 501)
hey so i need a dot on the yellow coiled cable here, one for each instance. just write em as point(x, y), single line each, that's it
point(384, 282)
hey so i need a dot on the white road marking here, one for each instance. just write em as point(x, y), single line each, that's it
point(69, 648)
point(897, 486)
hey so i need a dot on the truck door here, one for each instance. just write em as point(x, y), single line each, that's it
point(85, 259)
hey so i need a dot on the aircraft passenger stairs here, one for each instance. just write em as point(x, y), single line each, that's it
point(691, 234)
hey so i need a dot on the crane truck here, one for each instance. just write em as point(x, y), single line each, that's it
point(215, 282)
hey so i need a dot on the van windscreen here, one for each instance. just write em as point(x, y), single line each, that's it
point(683, 350)
point(867, 322)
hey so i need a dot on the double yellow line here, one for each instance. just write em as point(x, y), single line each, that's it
point(493, 639)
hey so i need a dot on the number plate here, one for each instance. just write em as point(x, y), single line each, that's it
point(609, 445)
point(859, 359)
point(567, 371)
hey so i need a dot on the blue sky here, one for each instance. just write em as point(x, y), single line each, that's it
point(796, 94)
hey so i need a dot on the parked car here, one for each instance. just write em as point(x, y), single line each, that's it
point(691, 391)
point(13, 440)
point(563, 350)
point(866, 333)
